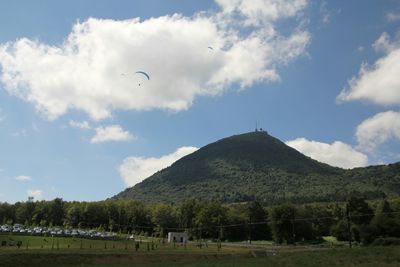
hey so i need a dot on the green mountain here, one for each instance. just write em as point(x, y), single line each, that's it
point(258, 166)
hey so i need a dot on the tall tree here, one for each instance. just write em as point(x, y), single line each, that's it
point(384, 221)
point(208, 220)
point(57, 214)
point(164, 217)
point(256, 218)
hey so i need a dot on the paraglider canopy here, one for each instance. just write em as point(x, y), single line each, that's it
point(144, 73)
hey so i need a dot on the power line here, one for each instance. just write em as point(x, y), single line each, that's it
point(239, 224)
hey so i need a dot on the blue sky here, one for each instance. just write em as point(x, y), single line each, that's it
point(322, 76)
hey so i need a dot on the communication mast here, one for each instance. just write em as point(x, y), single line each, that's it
point(259, 129)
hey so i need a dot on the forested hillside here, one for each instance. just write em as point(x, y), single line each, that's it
point(257, 166)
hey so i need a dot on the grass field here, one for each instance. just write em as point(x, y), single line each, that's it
point(113, 254)
point(65, 244)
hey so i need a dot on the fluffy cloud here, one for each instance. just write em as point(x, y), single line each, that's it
point(384, 44)
point(23, 178)
point(2, 116)
point(378, 129)
point(380, 83)
point(261, 12)
point(336, 154)
point(111, 133)
point(84, 125)
point(94, 70)
point(37, 194)
point(392, 16)
point(133, 170)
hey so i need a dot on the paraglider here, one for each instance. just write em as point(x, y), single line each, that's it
point(144, 73)
point(143, 76)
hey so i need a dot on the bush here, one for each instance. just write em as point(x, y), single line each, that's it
point(387, 241)
point(340, 231)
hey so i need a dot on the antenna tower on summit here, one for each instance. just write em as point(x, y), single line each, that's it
point(259, 129)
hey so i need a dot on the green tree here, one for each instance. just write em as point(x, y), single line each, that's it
point(208, 220)
point(7, 213)
point(187, 212)
point(138, 216)
point(74, 214)
point(24, 212)
point(256, 218)
point(57, 213)
point(41, 215)
point(236, 217)
point(384, 221)
point(94, 215)
point(165, 218)
point(282, 223)
point(340, 231)
point(359, 210)
point(360, 214)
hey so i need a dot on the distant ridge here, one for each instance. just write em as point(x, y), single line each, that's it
point(258, 166)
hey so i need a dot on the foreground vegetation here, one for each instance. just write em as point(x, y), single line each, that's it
point(360, 256)
point(373, 228)
point(356, 219)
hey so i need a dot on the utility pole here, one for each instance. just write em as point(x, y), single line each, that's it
point(219, 237)
point(293, 232)
point(348, 224)
point(249, 231)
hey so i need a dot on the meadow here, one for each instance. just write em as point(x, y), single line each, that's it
point(70, 252)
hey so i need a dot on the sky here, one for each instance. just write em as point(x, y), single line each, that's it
point(79, 120)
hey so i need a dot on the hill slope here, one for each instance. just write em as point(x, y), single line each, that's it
point(258, 166)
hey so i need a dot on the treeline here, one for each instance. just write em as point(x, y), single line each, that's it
point(362, 221)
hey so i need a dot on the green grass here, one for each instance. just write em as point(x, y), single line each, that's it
point(40, 242)
point(69, 243)
point(363, 257)
point(257, 242)
point(168, 255)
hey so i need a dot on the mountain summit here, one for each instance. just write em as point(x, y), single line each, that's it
point(259, 166)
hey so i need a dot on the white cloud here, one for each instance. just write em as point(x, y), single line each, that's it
point(133, 170)
point(380, 83)
point(336, 154)
point(2, 116)
point(85, 72)
point(378, 129)
point(84, 125)
point(35, 127)
point(111, 133)
point(22, 133)
point(323, 9)
point(384, 44)
point(37, 194)
point(23, 178)
point(392, 16)
point(261, 12)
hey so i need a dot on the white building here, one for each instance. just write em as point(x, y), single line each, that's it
point(178, 237)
